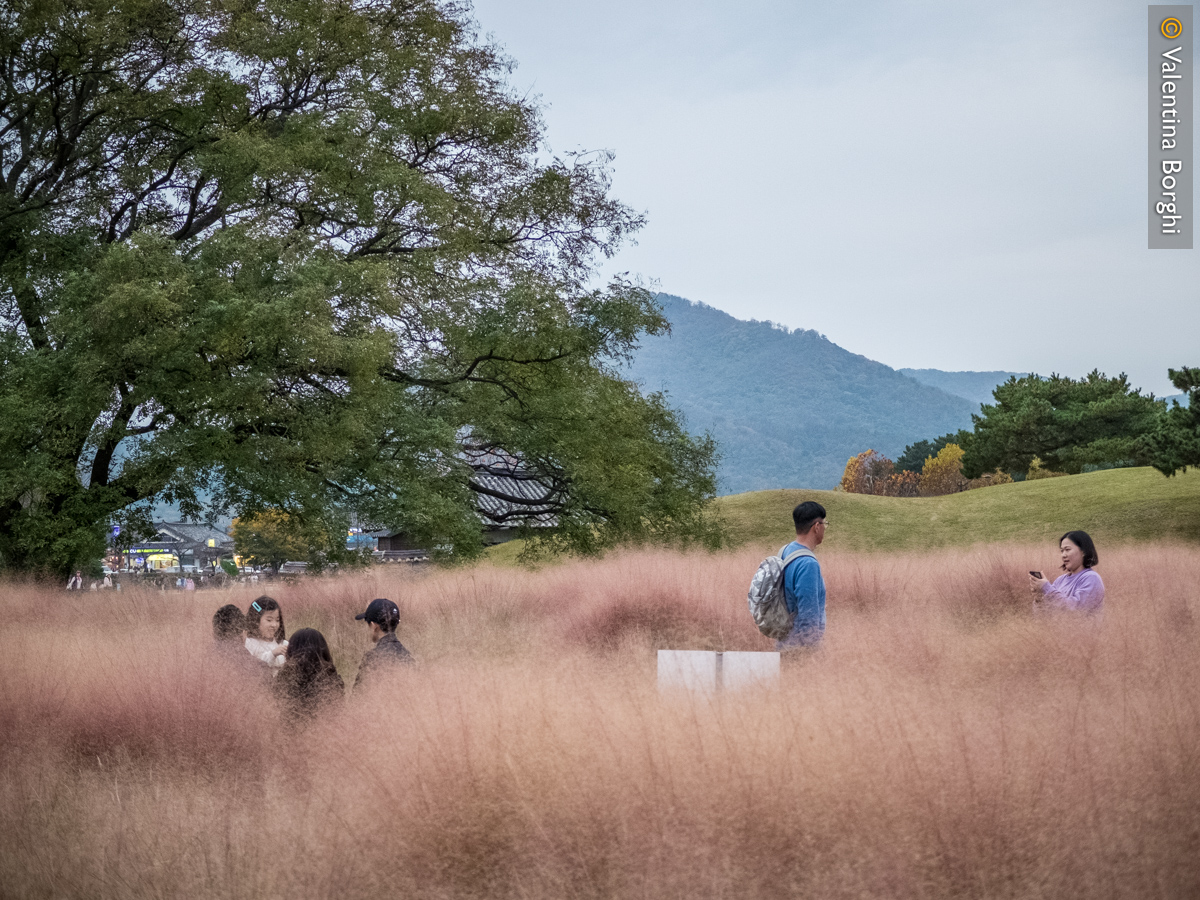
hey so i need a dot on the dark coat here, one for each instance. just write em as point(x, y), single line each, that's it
point(387, 655)
point(305, 692)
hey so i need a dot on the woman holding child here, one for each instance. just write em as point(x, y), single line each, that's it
point(1079, 588)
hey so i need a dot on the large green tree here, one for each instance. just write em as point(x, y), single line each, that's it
point(1175, 442)
point(271, 538)
point(296, 254)
point(1067, 423)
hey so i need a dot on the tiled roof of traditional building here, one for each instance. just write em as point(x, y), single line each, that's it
point(507, 492)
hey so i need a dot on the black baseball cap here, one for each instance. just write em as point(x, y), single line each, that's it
point(381, 611)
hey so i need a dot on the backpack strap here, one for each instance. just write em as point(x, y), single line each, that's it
point(796, 554)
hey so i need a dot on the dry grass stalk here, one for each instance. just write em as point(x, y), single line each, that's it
point(943, 742)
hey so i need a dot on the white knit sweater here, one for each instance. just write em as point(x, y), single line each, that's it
point(264, 651)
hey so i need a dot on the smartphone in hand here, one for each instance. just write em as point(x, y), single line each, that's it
point(1035, 574)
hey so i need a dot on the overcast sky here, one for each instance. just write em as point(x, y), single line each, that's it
point(930, 184)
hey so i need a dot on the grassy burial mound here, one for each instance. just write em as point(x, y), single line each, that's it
point(944, 742)
point(1117, 505)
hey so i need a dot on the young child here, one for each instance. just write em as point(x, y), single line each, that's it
point(264, 632)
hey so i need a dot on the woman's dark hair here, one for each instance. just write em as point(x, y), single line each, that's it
point(255, 613)
point(228, 623)
point(308, 677)
point(805, 514)
point(1083, 541)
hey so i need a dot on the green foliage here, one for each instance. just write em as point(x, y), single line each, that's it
point(1067, 423)
point(271, 538)
point(1175, 442)
point(292, 254)
point(914, 455)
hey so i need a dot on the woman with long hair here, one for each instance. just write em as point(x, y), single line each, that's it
point(1079, 587)
point(308, 680)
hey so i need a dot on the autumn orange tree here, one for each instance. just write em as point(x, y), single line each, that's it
point(867, 473)
point(873, 473)
point(904, 484)
point(990, 479)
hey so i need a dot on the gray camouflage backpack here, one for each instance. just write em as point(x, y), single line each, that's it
point(768, 604)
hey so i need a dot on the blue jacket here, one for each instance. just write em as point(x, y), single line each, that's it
point(804, 589)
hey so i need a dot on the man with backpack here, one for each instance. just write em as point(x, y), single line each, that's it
point(787, 594)
point(804, 588)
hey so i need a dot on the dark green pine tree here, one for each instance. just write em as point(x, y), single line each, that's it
point(1067, 423)
point(1175, 443)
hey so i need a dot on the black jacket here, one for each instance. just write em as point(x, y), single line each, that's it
point(388, 654)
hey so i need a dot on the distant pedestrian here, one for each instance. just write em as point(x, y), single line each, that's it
point(265, 635)
point(1080, 588)
point(75, 582)
point(804, 587)
point(308, 680)
point(382, 617)
point(107, 583)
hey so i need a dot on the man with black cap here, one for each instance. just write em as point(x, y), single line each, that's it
point(382, 617)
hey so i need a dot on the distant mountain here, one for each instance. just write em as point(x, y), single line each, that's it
point(787, 408)
point(974, 386)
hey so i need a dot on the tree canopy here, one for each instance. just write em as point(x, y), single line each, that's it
point(1068, 424)
point(270, 538)
point(914, 455)
point(1175, 442)
point(295, 254)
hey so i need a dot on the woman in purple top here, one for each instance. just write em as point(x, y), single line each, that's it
point(1080, 588)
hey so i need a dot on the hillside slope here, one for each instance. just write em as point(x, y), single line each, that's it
point(786, 408)
point(1114, 506)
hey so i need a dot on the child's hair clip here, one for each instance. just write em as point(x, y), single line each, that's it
point(257, 608)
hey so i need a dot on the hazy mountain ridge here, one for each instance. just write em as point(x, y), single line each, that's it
point(788, 408)
point(979, 385)
point(974, 386)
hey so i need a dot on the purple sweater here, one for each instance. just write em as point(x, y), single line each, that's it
point(1082, 591)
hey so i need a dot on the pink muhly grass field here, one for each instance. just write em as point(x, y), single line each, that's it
point(944, 742)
